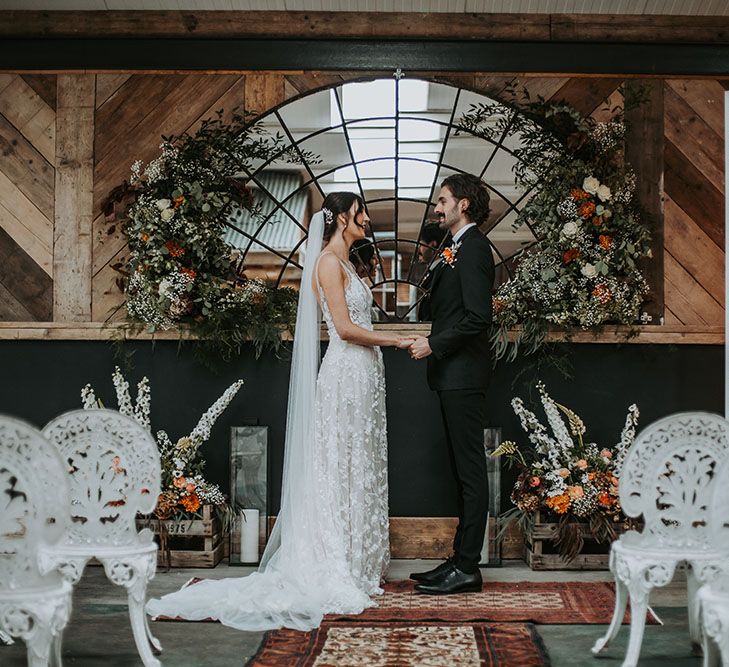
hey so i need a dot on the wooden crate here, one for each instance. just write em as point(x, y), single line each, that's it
point(542, 554)
point(190, 542)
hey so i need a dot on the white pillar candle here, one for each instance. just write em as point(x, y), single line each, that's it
point(249, 536)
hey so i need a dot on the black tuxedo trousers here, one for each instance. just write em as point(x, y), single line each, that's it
point(459, 370)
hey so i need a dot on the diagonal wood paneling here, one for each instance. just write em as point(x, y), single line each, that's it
point(27, 190)
point(129, 123)
point(694, 201)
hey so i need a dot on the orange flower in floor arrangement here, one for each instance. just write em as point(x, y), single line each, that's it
point(570, 255)
point(563, 475)
point(174, 249)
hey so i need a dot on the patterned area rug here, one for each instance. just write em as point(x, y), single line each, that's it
point(340, 644)
point(549, 603)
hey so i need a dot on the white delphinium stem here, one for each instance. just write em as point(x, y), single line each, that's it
point(202, 431)
point(143, 405)
point(88, 398)
point(535, 430)
point(626, 438)
point(164, 443)
point(124, 400)
point(559, 428)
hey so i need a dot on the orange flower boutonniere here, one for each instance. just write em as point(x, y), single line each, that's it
point(449, 254)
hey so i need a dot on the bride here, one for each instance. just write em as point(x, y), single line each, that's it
point(329, 548)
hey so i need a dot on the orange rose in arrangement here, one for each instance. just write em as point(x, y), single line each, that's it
point(606, 499)
point(174, 249)
point(570, 254)
point(563, 473)
point(534, 481)
point(144, 236)
point(190, 502)
point(179, 482)
point(602, 293)
point(559, 504)
point(597, 221)
point(587, 209)
point(605, 241)
point(178, 201)
point(190, 487)
point(190, 273)
point(575, 492)
point(581, 464)
point(579, 194)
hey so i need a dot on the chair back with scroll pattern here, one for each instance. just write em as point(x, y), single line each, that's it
point(34, 502)
point(669, 476)
point(114, 473)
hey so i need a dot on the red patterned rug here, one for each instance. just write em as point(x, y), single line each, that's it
point(548, 603)
point(402, 644)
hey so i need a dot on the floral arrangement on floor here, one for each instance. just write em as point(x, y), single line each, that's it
point(562, 475)
point(184, 488)
point(583, 271)
point(180, 271)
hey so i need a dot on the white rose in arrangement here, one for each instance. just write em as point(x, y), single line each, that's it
point(591, 185)
point(570, 229)
point(603, 193)
point(164, 286)
point(162, 204)
point(167, 214)
point(589, 271)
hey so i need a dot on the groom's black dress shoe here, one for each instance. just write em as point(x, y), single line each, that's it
point(453, 581)
point(432, 575)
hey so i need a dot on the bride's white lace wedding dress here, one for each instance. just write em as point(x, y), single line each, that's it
point(330, 548)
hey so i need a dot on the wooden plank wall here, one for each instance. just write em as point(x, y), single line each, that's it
point(132, 111)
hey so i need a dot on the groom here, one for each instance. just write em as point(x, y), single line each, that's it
point(459, 370)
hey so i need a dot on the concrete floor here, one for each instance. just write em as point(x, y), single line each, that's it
point(99, 632)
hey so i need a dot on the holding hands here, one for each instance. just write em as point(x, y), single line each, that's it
point(418, 346)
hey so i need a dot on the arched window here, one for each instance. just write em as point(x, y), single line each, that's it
point(392, 141)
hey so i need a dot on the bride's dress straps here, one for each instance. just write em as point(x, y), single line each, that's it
point(346, 268)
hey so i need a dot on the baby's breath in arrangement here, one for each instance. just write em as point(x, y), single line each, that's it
point(583, 270)
point(562, 475)
point(180, 271)
point(184, 488)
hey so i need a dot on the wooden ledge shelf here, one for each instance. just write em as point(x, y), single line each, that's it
point(649, 335)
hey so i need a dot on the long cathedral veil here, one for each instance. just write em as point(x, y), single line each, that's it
point(297, 469)
point(303, 572)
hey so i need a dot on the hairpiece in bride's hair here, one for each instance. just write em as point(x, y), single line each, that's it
point(328, 216)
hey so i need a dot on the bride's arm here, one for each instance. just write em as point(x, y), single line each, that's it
point(332, 280)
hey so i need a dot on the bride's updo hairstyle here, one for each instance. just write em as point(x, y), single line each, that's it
point(334, 204)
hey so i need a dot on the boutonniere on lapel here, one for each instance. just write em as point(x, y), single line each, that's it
point(449, 254)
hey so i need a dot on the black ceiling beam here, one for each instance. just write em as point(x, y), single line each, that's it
point(597, 58)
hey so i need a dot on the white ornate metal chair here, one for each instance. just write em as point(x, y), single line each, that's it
point(34, 502)
point(668, 476)
point(113, 472)
point(713, 598)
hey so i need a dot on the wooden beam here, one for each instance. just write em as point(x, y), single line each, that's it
point(676, 334)
point(264, 91)
point(644, 153)
point(274, 24)
point(72, 233)
point(375, 25)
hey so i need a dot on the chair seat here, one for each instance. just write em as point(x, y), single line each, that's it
point(102, 551)
point(26, 594)
point(633, 544)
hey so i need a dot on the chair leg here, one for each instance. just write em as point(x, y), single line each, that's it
point(39, 646)
point(133, 573)
point(638, 610)
point(621, 602)
point(156, 646)
point(711, 652)
point(692, 586)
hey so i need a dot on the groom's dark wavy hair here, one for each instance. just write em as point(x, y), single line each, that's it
point(468, 186)
point(339, 202)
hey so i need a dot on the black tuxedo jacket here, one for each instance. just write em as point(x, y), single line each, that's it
point(460, 309)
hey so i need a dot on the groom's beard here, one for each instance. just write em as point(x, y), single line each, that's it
point(447, 220)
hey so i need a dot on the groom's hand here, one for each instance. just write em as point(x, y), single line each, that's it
point(420, 348)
